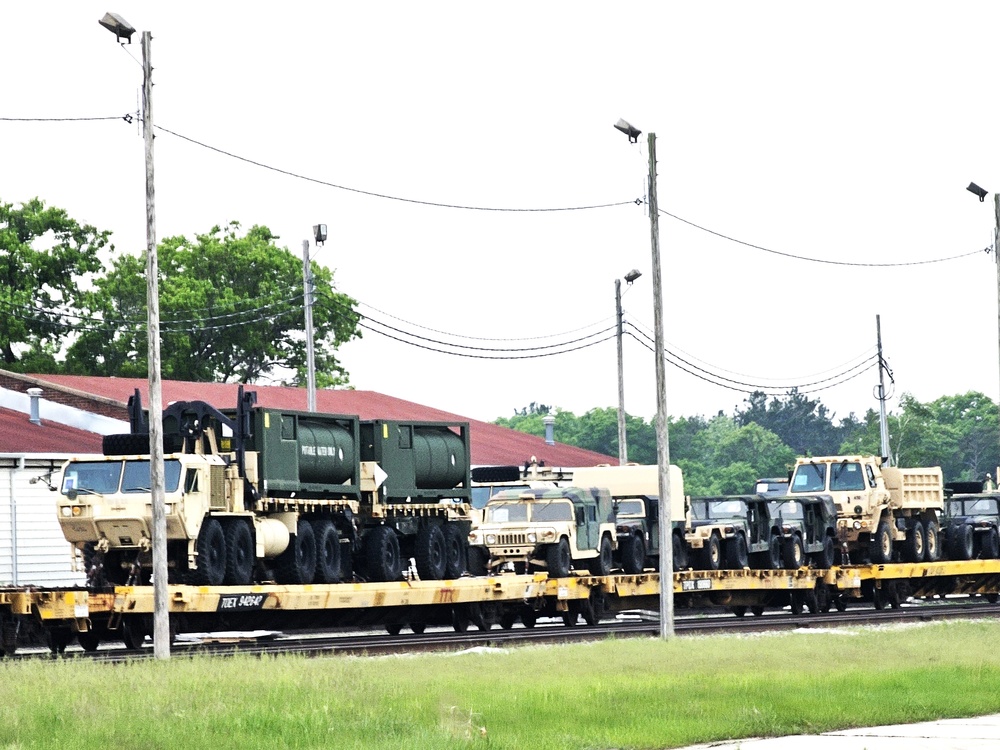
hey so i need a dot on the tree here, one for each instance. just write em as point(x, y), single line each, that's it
point(46, 259)
point(803, 424)
point(231, 309)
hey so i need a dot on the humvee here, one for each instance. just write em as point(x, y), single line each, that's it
point(807, 526)
point(969, 526)
point(555, 529)
point(733, 531)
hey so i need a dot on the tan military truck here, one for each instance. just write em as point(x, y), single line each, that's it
point(883, 512)
point(555, 529)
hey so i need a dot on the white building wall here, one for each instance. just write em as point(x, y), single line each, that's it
point(33, 551)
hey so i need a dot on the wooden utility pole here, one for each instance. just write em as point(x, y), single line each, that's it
point(883, 421)
point(307, 290)
point(161, 616)
point(622, 445)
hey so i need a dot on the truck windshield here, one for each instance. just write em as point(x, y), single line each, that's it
point(552, 511)
point(727, 509)
point(789, 509)
point(631, 508)
point(506, 512)
point(136, 477)
point(809, 478)
point(846, 476)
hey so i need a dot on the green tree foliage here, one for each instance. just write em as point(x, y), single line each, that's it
point(46, 257)
point(230, 308)
point(803, 424)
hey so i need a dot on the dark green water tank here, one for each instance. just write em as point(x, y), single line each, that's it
point(327, 453)
point(439, 458)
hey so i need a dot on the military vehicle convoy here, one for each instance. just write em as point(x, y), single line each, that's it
point(883, 512)
point(259, 494)
point(556, 529)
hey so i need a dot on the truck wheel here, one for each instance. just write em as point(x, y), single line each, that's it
point(601, 565)
point(824, 558)
point(960, 542)
point(478, 561)
point(932, 541)
point(558, 559)
point(633, 554)
point(456, 551)
point(991, 545)
point(382, 554)
point(737, 557)
point(297, 564)
point(430, 553)
point(881, 551)
point(211, 547)
point(240, 553)
point(792, 553)
point(774, 553)
point(711, 553)
point(328, 566)
point(680, 551)
point(914, 548)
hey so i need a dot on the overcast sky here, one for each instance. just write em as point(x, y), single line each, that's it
point(818, 143)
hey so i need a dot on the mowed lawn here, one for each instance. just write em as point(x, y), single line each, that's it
point(627, 693)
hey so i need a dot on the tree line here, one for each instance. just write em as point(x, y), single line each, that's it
point(231, 304)
point(726, 454)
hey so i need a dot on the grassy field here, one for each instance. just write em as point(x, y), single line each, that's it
point(630, 693)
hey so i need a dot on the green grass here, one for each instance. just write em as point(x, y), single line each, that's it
point(615, 694)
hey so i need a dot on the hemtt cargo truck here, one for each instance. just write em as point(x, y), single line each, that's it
point(267, 494)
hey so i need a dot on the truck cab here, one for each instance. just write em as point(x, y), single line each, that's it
point(555, 529)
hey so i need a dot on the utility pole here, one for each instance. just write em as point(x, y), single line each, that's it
point(882, 420)
point(622, 446)
point(307, 291)
point(996, 256)
point(161, 616)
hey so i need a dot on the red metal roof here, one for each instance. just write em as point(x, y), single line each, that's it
point(491, 444)
point(19, 435)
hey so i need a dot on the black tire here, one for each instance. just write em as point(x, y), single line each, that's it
point(418, 627)
point(430, 553)
point(932, 541)
point(914, 548)
point(792, 554)
point(297, 564)
point(824, 558)
point(991, 545)
point(211, 548)
point(125, 445)
point(960, 542)
point(601, 565)
point(558, 560)
point(241, 555)
point(774, 553)
point(633, 554)
point(382, 554)
point(737, 556)
point(881, 547)
point(328, 563)
point(456, 545)
point(681, 557)
point(478, 560)
point(711, 554)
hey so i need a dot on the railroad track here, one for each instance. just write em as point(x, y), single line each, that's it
point(445, 639)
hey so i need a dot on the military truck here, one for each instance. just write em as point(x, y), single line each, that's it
point(970, 526)
point(883, 512)
point(733, 531)
point(555, 529)
point(635, 490)
point(807, 527)
point(256, 494)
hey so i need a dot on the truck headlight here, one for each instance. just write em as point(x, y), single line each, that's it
point(66, 511)
point(857, 525)
point(491, 538)
point(532, 538)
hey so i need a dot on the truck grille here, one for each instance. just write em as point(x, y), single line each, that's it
point(512, 539)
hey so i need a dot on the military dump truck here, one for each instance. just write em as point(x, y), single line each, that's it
point(635, 490)
point(266, 494)
point(555, 529)
point(733, 531)
point(807, 527)
point(970, 526)
point(883, 512)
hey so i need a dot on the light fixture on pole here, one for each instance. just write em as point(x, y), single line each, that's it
point(319, 235)
point(662, 436)
point(622, 444)
point(976, 190)
point(161, 619)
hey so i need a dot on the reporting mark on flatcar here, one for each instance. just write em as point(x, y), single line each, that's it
point(241, 602)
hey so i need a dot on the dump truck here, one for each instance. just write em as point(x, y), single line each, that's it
point(884, 513)
point(257, 494)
